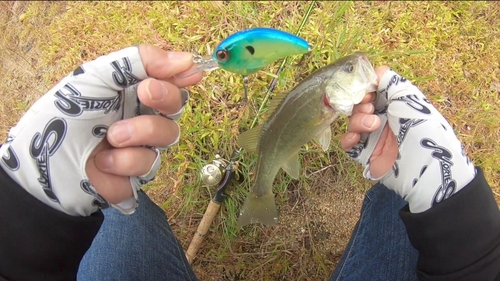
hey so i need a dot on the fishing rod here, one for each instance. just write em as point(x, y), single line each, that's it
point(221, 172)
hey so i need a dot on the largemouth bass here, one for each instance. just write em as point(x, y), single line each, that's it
point(304, 114)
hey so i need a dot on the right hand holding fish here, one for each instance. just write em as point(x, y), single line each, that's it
point(418, 154)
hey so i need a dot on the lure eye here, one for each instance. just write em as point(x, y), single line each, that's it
point(348, 67)
point(222, 55)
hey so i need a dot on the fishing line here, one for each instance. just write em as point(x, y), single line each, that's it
point(274, 82)
point(231, 166)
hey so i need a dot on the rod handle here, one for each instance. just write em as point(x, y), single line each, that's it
point(203, 227)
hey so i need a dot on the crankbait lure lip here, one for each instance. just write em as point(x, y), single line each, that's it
point(201, 64)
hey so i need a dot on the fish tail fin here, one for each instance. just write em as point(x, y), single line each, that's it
point(259, 209)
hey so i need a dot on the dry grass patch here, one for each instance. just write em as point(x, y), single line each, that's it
point(449, 49)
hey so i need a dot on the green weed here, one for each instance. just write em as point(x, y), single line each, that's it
point(448, 49)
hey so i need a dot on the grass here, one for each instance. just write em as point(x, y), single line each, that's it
point(449, 49)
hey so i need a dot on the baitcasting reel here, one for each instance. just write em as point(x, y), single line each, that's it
point(212, 174)
point(220, 173)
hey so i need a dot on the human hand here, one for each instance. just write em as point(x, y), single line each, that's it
point(93, 140)
point(425, 163)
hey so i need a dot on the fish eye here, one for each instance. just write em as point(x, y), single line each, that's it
point(222, 55)
point(348, 67)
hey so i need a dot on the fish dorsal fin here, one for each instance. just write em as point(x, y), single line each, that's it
point(249, 140)
point(276, 100)
point(292, 166)
point(324, 138)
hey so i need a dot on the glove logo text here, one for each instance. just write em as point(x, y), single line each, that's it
point(395, 79)
point(99, 131)
point(71, 102)
point(10, 158)
point(405, 125)
point(414, 102)
point(122, 75)
point(98, 200)
point(444, 156)
point(45, 145)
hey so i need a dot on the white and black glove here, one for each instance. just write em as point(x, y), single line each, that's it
point(47, 151)
point(431, 164)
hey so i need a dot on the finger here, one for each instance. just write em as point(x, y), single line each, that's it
point(381, 70)
point(348, 140)
point(113, 188)
point(187, 81)
point(128, 161)
point(160, 95)
point(152, 130)
point(363, 123)
point(369, 97)
point(162, 65)
point(384, 154)
point(363, 108)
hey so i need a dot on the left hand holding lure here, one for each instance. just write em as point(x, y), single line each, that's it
point(95, 138)
point(248, 51)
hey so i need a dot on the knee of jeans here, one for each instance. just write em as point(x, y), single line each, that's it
point(379, 193)
point(147, 203)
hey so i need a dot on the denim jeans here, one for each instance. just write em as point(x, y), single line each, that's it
point(142, 246)
point(135, 247)
point(379, 248)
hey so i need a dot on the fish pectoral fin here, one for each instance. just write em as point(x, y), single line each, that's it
point(249, 139)
point(259, 210)
point(324, 138)
point(292, 166)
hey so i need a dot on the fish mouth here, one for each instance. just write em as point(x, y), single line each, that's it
point(368, 78)
point(351, 92)
point(367, 72)
point(326, 101)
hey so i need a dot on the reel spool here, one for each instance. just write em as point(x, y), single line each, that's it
point(212, 174)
